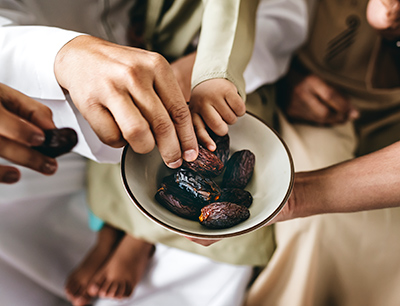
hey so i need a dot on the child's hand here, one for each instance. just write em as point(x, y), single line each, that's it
point(384, 16)
point(313, 100)
point(214, 104)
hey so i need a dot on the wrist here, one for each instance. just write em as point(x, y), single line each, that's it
point(311, 196)
point(62, 60)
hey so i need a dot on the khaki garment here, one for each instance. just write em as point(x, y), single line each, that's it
point(110, 202)
point(340, 259)
point(345, 51)
point(222, 53)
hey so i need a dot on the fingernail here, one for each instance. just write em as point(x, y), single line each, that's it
point(190, 155)
point(11, 177)
point(49, 167)
point(175, 164)
point(37, 139)
point(212, 147)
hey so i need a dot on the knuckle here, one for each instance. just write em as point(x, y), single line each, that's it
point(115, 141)
point(220, 128)
point(230, 119)
point(144, 148)
point(328, 94)
point(91, 103)
point(242, 110)
point(44, 109)
point(125, 72)
point(48, 112)
point(134, 131)
point(34, 161)
point(162, 127)
point(7, 148)
point(157, 60)
point(180, 114)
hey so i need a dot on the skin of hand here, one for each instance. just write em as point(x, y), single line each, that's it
point(183, 69)
point(384, 16)
point(22, 121)
point(314, 101)
point(215, 104)
point(364, 183)
point(341, 188)
point(128, 95)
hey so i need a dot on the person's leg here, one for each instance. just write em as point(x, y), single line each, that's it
point(180, 278)
point(118, 276)
point(77, 282)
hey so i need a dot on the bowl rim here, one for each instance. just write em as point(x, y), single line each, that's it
point(213, 236)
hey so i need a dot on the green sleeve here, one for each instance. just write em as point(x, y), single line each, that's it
point(226, 41)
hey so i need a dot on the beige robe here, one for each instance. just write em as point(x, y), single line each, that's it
point(340, 259)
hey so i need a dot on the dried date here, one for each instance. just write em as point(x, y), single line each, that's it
point(178, 205)
point(206, 163)
point(237, 196)
point(200, 187)
point(173, 187)
point(239, 170)
point(58, 142)
point(223, 215)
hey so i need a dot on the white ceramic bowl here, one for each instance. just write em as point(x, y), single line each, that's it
point(270, 184)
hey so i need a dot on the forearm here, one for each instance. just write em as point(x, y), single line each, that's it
point(368, 182)
point(226, 41)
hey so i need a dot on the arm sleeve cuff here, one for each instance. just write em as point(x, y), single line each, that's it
point(226, 41)
point(27, 59)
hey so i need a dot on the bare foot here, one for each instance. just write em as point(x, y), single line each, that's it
point(119, 276)
point(77, 282)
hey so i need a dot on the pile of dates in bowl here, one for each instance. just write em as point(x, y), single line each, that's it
point(211, 189)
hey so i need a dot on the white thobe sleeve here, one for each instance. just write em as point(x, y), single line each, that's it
point(27, 60)
point(281, 28)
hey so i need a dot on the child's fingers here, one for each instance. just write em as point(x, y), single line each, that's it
point(213, 119)
point(236, 103)
point(225, 113)
point(201, 132)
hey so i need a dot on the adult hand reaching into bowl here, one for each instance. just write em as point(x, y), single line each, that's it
point(128, 95)
point(21, 127)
